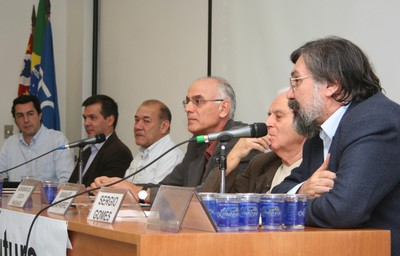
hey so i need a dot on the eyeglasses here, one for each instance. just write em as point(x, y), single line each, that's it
point(198, 102)
point(296, 81)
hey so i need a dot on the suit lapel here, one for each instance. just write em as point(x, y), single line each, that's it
point(317, 150)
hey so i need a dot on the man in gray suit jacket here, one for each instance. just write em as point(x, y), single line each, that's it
point(210, 106)
point(351, 161)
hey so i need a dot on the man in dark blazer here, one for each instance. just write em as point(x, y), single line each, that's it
point(351, 161)
point(210, 106)
point(110, 158)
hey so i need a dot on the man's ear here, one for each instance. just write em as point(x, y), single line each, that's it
point(165, 125)
point(224, 108)
point(331, 89)
point(111, 120)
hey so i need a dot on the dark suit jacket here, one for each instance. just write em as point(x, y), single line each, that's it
point(112, 160)
point(365, 155)
point(189, 173)
point(257, 177)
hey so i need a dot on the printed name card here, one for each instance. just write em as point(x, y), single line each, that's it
point(69, 193)
point(106, 205)
point(62, 207)
point(23, 193)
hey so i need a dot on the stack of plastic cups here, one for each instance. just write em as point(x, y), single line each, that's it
point(249, 212)
point(272, 211)
point(211, 203)
point(295, 211)
point(227, 212)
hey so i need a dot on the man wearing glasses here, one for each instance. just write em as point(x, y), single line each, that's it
point(350, 169)
point(210, 106)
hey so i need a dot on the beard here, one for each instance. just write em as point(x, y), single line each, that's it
point(305, 120)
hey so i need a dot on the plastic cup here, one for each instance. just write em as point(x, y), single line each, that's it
point(50, 188)
point(227, 212)
point(295, 211)
point(249, 212)
point(272, 211)
point(211, 203)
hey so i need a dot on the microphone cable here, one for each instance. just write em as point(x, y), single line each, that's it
point(96, 188)
point(42, 155)
point(97, 139)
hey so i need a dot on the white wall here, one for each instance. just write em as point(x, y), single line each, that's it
point(252, 42)
point(151, 49)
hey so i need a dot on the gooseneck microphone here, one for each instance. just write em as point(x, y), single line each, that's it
point(250, 131)
point(81, 143)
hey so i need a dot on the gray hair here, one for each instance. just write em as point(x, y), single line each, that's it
point(226, 91)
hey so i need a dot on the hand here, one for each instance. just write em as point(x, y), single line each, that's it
point(103, 180)
point(320, 182)
point(242, 149)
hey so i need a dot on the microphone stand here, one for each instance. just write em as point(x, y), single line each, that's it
point(80, 165)
point(222, 165)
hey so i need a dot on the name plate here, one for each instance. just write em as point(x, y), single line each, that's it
point(23, 193)
point(78, 194)
point(106, 206)
point(62, 207)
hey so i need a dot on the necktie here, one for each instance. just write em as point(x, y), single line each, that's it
point(86, 159)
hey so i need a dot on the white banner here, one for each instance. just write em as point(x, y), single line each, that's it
point(48, 236)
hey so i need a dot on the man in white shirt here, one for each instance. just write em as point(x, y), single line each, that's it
point(34, 140)
point(151, 130)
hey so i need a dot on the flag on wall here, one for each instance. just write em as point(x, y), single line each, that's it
point(41, 71)
point(38, 37)
point(47, 89)
point(25, 76)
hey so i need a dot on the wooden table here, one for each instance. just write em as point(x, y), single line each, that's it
point(132, 237)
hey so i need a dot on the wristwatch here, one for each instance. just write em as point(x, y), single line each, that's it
point(142, 195)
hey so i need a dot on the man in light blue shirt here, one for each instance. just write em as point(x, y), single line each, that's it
point(34, 140)
point(151, 130)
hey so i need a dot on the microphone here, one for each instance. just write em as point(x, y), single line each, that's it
point(80, 143)
point(251, 131)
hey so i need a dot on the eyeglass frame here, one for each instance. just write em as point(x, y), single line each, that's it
point(297, 80)
point(200, 101)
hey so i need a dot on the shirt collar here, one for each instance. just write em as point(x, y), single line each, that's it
point(98, 146)
point(146, 151)
point(35, 138)
point(330, 126)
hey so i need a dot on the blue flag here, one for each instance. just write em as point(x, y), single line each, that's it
point(38, 37)
point(47, 88)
